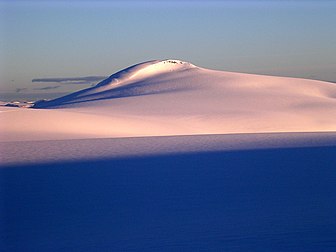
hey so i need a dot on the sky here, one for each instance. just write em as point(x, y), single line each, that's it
point(61, 46)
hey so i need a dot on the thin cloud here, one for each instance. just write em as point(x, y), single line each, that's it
point(18, 90)
point(72, 80)
point(47, 88)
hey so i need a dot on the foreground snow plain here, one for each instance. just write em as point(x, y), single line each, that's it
point(167, 156)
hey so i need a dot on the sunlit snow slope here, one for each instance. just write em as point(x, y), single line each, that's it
point(172, 97)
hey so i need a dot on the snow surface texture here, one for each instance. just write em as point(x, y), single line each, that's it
point(172, 97)
point(34, 152)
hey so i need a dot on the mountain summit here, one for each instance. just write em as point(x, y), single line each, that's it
point(146, 69)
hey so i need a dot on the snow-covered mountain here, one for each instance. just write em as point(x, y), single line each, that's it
point(152, 77)
point(172, 97)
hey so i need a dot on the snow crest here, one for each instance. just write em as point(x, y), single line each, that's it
point(146, 69)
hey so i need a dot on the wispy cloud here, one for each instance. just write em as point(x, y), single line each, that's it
point(72, 80)
point(47, 88)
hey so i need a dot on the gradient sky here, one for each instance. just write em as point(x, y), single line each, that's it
point(54, 39)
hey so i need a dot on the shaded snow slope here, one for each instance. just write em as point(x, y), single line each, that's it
point(172, 97)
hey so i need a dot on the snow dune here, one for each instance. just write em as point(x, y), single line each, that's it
point(172, 97)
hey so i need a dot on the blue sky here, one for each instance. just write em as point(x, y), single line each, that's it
point(57, 39)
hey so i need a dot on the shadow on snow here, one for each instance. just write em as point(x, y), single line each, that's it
point(262, 200)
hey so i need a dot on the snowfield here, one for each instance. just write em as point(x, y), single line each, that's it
point(168, 156)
